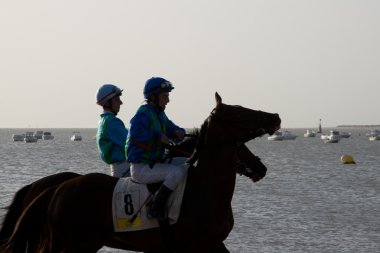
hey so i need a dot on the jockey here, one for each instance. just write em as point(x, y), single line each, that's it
point(111, 134)
point(150, 129)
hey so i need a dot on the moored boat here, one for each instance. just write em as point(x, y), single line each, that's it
point(47, 136)
point(345, 134)
point(29, 137)
point(282, 135)
point(38, 134)
point(76, 136)
point(18, 137)
point(277, 136)
point(309, 133)
point(334, 137)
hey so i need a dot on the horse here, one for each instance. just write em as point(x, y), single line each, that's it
point(248, 165)
point(24, 197)
point(75, 216)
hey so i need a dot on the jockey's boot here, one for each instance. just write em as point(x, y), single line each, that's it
point(157, 208)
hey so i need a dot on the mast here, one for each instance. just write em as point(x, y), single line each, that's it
point(319, 127)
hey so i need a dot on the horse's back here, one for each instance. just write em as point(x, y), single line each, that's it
point(40, 185)
point(81, 207)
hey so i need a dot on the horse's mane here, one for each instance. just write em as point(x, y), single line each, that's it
point(201, 141)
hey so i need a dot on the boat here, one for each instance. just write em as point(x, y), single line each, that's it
point(374, 135)
point(288, 135)
point(47, 136)
point(29, 137)
point(334, 137)
point(76, 136)
point(324, 136)
point(282, 135)
point(18, 137)
point(374, 132)
point(277, 136)
point(38, 134)
point(374, 138)
point(332, 140)
point(345, 134)
point(309, 133)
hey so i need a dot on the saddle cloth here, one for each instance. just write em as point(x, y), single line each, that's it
point(130, 198)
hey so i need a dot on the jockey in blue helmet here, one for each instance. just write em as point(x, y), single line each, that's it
point(150, 130)
point(155, 86)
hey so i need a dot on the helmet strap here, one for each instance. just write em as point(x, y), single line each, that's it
point(154, 100)
point(108, 107)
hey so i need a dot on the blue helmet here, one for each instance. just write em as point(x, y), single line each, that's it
point(106, 92)
point(156, 85)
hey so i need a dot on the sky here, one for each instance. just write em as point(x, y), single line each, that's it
point(304, 59)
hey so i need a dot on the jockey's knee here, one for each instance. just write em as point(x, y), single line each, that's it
point(175, 177)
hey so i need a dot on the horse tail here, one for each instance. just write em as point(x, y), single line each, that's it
point(25, 195)
point(14, 212)
point(31, 227)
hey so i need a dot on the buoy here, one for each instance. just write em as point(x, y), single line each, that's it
point(347, 159)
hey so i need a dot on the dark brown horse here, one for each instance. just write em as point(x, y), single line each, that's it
point(248, 165)
point(25, 196)
point(76, 215)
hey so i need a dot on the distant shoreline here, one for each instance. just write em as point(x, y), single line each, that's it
point(358, 126)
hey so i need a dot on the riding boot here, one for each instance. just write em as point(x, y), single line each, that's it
point(157, 208)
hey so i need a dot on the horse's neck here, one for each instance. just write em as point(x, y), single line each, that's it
point(217, 173)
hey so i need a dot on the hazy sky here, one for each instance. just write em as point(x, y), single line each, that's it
point(303, 59)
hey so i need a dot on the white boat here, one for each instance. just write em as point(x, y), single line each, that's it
point(282, 135)
point(29, 137)
point(374, 135)
point(334, 137)
point(38, 134)
point(277, 136)
point(324, 136)
point(47, 136)
point(76, 137)
point(374, 138)
point(309, 133)
point(18, 137)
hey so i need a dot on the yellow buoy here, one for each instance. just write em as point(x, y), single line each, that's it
point(347, 159)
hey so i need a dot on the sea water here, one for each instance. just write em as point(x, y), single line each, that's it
point(307, 202)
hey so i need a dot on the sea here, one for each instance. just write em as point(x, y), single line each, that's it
point(308, 201)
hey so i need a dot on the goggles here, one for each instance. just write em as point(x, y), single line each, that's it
point(166, 85)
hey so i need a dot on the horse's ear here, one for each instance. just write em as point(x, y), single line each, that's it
point(218, 100)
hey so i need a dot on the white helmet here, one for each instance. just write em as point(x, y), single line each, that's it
point(106, 92)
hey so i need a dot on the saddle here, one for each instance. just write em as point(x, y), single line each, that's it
point(129, 205)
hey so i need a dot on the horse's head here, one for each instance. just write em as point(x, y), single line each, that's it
point(232, 123)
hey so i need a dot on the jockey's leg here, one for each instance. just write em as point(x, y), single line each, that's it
point(158, 206)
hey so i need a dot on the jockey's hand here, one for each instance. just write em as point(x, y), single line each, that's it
point(164, 139)
point(179, 134)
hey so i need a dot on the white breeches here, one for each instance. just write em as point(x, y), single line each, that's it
point(169, 173)
point(120, 169)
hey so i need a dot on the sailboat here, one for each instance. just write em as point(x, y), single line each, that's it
point(319, 127)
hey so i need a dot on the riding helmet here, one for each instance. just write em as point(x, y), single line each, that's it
point(106, 92)
point(156, 85)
